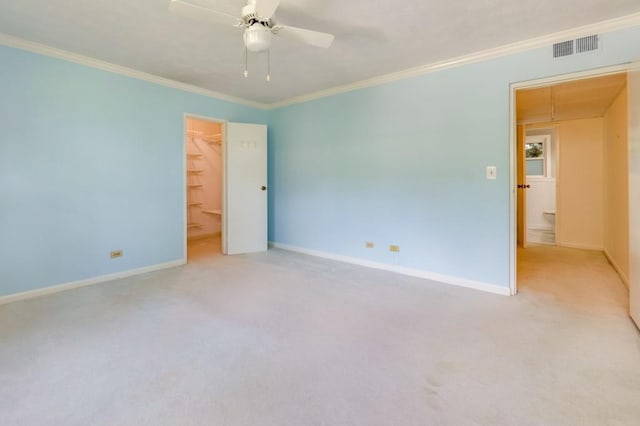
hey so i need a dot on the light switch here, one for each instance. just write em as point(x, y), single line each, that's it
point(492, 172)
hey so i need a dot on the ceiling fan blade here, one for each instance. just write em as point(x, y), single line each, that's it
point(314, 38)
point(266, 8)
point(202, 13)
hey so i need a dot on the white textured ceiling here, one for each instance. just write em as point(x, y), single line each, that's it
point(372, 37)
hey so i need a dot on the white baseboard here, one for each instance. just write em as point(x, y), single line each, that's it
point(445, 279)
point(615, 265)
point(580, 246)
point(84, 283)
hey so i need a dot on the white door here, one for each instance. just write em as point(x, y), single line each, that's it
point(633, 91)
point(245, 211)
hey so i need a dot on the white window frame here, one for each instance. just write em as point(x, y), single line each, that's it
point(545, 140)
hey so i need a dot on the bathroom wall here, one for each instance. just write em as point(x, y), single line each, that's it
point(616, 200)
point(541, 197)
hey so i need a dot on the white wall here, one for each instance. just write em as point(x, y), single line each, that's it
point(210, 195)
point(616, 189)
point(541, 197)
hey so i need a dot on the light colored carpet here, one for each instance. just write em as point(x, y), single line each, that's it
point(285, 339)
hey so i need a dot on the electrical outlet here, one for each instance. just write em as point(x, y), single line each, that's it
point(394, 248)
point(369, 244)
point(116, 253)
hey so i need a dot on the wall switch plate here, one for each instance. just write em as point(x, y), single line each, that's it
point(394, 248)
point(492, 172)
point(116, 253)
point(369, 244)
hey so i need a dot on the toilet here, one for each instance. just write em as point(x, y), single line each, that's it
point(544, 233)
point(550, 216)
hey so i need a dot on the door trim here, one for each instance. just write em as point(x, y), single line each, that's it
point(222, 122)
point(541, 82)
point(633, 110)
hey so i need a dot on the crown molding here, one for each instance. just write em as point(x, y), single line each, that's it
point(483, 55)
point(30, 46)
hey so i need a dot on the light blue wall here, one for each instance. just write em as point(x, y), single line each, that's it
point(404, 163)
point(90, 162)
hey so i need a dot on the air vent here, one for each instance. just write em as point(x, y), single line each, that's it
point(580, 45)
point(564, 48)
point(587, 44)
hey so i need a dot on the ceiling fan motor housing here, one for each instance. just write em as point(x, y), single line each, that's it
point(249, 10)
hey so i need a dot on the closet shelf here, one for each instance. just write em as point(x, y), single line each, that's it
point(194, 225)
point(195, 185)
point(214, 212)
point(194, 204)
point(195, 171)
point(195, 155)
point(213, 139)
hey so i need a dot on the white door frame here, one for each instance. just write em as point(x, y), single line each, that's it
point(633, 110)
point(541, 82)
point(223, 145)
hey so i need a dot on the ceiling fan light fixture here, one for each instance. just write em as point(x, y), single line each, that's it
point(257, 38)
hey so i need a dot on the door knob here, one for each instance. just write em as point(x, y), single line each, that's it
point(264, 188)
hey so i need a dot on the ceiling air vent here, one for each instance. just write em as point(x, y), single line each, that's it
point(564, 48)
point(587, 44)
point(580, 45)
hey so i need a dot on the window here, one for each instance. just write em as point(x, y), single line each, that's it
point(536, 154)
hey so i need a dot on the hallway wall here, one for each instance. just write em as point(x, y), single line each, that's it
point(616, 189)
point(580, 184)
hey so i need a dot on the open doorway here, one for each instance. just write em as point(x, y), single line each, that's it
point(225, 184)
point(204, 187)
point(540, 150)
point(571, 209)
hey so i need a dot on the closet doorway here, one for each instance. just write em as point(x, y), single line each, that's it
point(204, 187)
point(225, 182)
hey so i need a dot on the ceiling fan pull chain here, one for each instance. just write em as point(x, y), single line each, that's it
point(268, 65)
point(246, 70)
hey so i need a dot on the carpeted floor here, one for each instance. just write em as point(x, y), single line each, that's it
point(284, 339)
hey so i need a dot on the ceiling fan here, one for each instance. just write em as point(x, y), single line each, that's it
point(256, 20)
